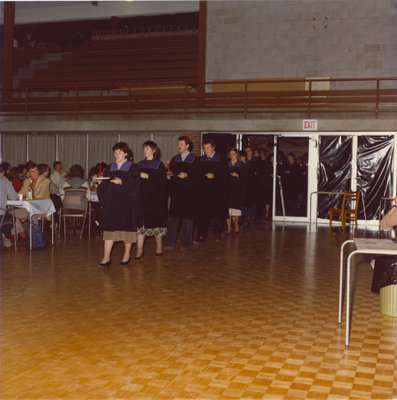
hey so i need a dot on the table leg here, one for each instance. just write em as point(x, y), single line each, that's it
point(348, 296)
point(30, 231)
point(89, 218)
point(341, 279)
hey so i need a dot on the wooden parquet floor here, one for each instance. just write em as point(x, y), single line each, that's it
point(250, 317)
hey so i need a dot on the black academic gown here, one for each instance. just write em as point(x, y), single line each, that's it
point(120, 203)
point(237, 187)
point(213, 194)
point(265, 181)
point(153, 195)
point(183, 192)
point(252, 181)
point(292, 180)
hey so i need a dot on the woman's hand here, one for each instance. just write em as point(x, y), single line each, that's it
point(144, 175)
point(116, 181)
point(235, 174)
point(210, 175)
point(182, 175)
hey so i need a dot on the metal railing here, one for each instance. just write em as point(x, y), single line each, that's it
point(305, 97)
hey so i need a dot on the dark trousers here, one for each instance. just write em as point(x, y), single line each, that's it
point(203, 226)
point(186, 232)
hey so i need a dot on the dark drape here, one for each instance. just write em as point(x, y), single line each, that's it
point(374, 172)
point(334, 171)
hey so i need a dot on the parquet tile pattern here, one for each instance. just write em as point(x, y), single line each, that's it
point(251, 317)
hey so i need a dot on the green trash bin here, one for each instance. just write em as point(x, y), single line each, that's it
point(388, 300)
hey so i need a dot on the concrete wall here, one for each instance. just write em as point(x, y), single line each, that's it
point(301, 38)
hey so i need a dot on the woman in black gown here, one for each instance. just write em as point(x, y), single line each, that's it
point(153, 219)
point(237, 188)
point(120, 200)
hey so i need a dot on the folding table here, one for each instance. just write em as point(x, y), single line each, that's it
point(362, 246)
point(34, 207)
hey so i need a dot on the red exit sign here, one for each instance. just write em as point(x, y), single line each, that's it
point(309, 124)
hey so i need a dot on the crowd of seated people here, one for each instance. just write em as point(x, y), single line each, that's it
point(35, 181)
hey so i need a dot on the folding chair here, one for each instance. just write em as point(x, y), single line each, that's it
point(75, 205)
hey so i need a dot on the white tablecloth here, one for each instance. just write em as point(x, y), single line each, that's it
point(45, 206)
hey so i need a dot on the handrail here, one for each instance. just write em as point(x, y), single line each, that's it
point(224, 96)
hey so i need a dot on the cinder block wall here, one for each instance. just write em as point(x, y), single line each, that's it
point(301, 38)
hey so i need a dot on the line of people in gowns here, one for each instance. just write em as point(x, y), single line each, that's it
point(202, 191)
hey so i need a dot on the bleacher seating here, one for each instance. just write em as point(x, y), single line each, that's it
point(23, 57)
point(114, 63)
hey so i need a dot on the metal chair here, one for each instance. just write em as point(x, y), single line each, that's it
point(345, 214)
point(75, 205)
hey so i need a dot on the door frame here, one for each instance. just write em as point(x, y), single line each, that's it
point(312, 168)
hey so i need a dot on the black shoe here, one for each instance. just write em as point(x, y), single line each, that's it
point(104, 265)
point(126, 262)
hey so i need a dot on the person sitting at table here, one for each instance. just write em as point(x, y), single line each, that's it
point(57, 177)
point(16, 179)
point(390, 218)
point(75, 180)
point(38, 184)
point(23, 171)
point(45, 170)
point(6, 168)
point(7, 192)
point(39, 187)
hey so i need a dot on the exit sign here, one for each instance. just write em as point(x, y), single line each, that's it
point(309, 124)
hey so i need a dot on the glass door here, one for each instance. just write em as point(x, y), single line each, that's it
point(294, 176)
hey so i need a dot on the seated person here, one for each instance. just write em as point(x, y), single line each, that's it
point(16, 179)
point(39, 185)
point(75, 179)
point(390, 218)
point(44, 170)
point(7, 192)
point(58, 176)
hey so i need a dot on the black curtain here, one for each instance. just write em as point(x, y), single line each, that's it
point(374, 175)
point(334, 171)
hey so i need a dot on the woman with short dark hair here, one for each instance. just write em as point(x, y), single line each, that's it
point(118, 193)
point(153, 219)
